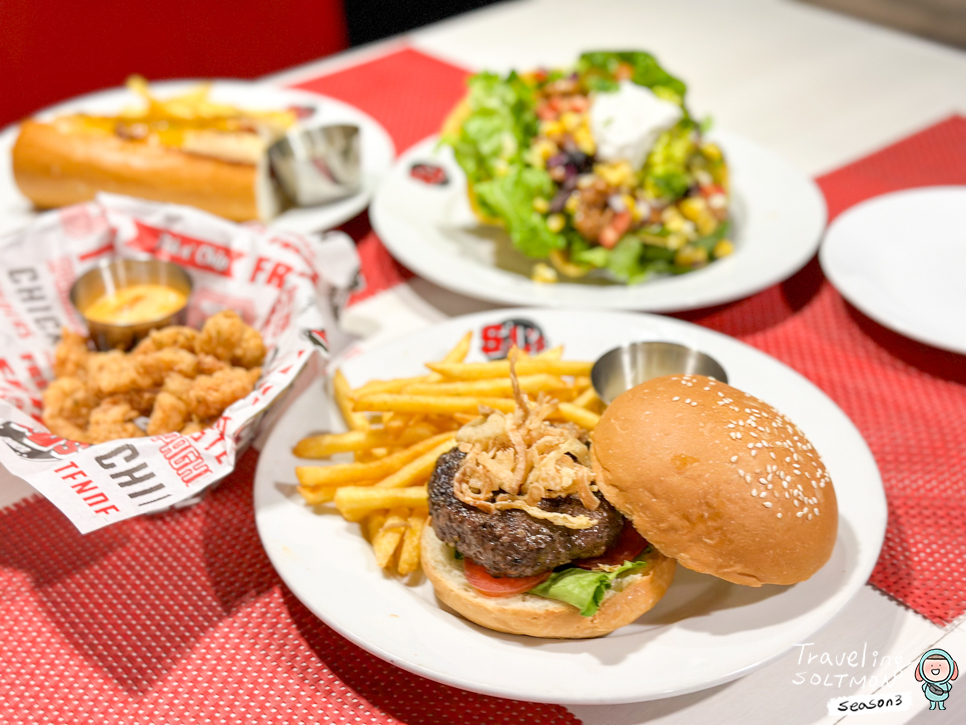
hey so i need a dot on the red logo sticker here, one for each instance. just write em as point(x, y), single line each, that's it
point(187, 251)
point(497, 339)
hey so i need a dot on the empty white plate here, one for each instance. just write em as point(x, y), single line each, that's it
point(901, 259)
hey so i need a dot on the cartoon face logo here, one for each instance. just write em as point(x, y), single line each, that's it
point(936, 671)
point(497, 339)
point(35, 444)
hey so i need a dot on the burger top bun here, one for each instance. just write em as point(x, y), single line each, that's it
point(717, 479)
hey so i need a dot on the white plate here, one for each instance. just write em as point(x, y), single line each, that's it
point(779, 215)
point(377, 149)
point(900, 258)
point(703, 633)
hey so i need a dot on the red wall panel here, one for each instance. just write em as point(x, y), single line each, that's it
point(51, 50)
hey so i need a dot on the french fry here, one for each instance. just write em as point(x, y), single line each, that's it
point(385, 386)
point(389, 535)
point(501, 368)
point(581, 416)
point(328, 444)
point(409, 551)
point(553, 353)
point(456, 355)
point(340, 387)
point(586, 399)
point(356, 502)
point(354, 473)
point(317, 494)
point(498, 387)
point(417, 469)
point(373, 523)
point(402, 403)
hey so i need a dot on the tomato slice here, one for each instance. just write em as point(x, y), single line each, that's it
point(499, 586)
point(628, 545)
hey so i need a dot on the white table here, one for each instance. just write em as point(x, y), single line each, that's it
point(819, 88)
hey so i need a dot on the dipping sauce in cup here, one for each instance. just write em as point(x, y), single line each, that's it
point(122, 300)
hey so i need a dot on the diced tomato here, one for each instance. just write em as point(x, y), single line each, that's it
point(499, 586)
point(628, 545)
point(711, 189)
point(612, 233)
point(546, 113)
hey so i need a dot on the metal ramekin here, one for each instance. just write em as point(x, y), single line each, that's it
point(115, 274)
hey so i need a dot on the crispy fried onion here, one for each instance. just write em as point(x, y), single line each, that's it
point(514, 461)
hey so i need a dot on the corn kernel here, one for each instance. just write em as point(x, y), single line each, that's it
point(690, 256)
point(543, 272)
point(541, 205)
point(711, 151)
point(551, 128)
point(706, 224)
point(673, 219)
point(693, 207)
point(570, 121)
point(573, 201)
point(585, 141)
point(675, 241)
point(616, 173)
point(723, 248)
point(555, 222)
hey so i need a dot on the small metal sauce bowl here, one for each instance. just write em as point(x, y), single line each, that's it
point(316, 165)
point(116, 274)
point(624, 367)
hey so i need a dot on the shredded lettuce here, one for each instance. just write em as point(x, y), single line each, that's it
point(665, 172)
point(510, 197)
point(581, 588)
point(599, 69)
point(498, 127)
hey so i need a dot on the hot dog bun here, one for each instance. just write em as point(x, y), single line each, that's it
point(60, 163)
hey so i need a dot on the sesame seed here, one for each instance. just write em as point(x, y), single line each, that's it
point(809, 517)
point(687, 400)
point(772, 454)
point(753, 452)
point(676, 398)
point(779, 514)
point(768, 505)
point(763, 494)
point(694, 402)
point(785, 485)
point(734, 459)
point(754, 492)
point(751, 445)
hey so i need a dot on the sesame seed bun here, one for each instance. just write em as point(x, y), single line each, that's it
point(630, 596)
point(717, 479)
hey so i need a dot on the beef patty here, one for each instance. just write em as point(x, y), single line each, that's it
point(511, 542)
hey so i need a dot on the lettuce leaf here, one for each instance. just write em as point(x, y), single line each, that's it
point(599, 69)
point(665, 173)
point(498, 127)
point(510, 197)
point(581, 588)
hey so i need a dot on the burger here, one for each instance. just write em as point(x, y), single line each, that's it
point(539, 529)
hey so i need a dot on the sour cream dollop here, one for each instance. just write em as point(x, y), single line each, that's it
point(626, 123)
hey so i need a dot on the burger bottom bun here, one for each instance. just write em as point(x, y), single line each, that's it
point(631, 596)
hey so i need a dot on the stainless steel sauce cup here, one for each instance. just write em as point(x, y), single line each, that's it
point(112, 275)
point(316, 165)
point(624, 367)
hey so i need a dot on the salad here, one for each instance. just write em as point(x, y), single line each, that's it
point(599, 168)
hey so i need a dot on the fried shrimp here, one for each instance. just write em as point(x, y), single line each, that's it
point(179, 379)
point(228, 338)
